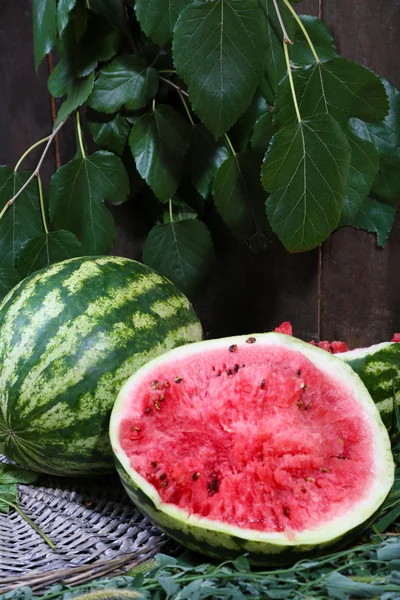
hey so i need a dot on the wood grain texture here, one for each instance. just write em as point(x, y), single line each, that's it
point(25, 114)
point(360, 282)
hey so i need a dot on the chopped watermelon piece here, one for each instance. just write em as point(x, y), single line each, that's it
point(285, 327)
point(396, 337)
point(334, 347)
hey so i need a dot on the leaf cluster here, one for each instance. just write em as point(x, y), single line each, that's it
point(369, 570)
point(207, 122)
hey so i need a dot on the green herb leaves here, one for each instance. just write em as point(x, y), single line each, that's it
point(10, 475)
point(306, 197)
point(183, 251)
point(339, 87)
point(22, 220)
point(159, 141)
point(125, 81)
point(218, 50)
point(158, 17)
point(77, 194)
point(204, 105)
point(44, 28)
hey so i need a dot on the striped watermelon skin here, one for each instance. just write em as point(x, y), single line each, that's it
point(379, 368)
point(224, 546)
point(70, 335)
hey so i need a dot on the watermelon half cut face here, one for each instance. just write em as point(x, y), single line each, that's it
point(260, 444)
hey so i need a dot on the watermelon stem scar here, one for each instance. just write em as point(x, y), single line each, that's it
point(263, 439)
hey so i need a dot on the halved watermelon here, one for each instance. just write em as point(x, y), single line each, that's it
point(261, 444)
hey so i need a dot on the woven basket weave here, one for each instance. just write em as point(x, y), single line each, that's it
point(95, 527)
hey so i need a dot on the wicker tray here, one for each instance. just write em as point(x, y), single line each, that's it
point(95, 527)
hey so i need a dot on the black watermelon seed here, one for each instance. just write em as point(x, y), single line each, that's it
point(233, 348)
point(250, 340)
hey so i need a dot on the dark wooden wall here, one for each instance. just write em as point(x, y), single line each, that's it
point(348, 289)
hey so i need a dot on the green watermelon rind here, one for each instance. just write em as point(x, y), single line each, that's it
point(224, 541)
point(70, 336)
point(379, 367)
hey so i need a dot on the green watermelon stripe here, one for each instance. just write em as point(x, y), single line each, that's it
point(70, 335)
point(379, 368)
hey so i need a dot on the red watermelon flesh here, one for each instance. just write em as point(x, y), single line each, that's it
point(254, 437)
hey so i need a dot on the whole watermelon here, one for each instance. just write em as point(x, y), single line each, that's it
point(70, 335)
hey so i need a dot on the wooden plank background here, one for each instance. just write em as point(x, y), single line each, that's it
point(347, 289)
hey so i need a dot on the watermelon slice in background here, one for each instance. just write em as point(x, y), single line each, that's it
point(377, 365)
point(261, 444)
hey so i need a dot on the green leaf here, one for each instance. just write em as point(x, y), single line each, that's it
point(47, 249)
point(275, 61)
point(374, 216)
point(44, 28)
point(8, 494)
point(9, 277)
point(218, 50)
point(182, 251)
point(300, 53)
point(159, 141)
point(241, 132)
point(99, 43)
point(340, 586)
point(385, 136)
point(125, 81)
point(204, 158)
point(158, 17)
point(263, 132)
point(78, 92)
point(10, 473)
point(306, 170)
point(238, 195)
point(22, 220)
point(112, 10)
point(64, 9)
point(112, 134)
point(77, 194)
point(180, 212)
point(339, 87)
point(364, 165)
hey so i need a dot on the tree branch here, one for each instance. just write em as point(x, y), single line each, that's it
point(37, 170)
point(286, 38)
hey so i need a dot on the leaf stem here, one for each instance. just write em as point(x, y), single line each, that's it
point(303, 29)
point(171, 214)
point(167, 71)
point(36, 171)
point(174, 86)
point(232, 149)
point(182, 97)
point(41, 199)
point(290, 75)
point(80, 136)
point(25, 154)
point(30, 522)
point(286, 38)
